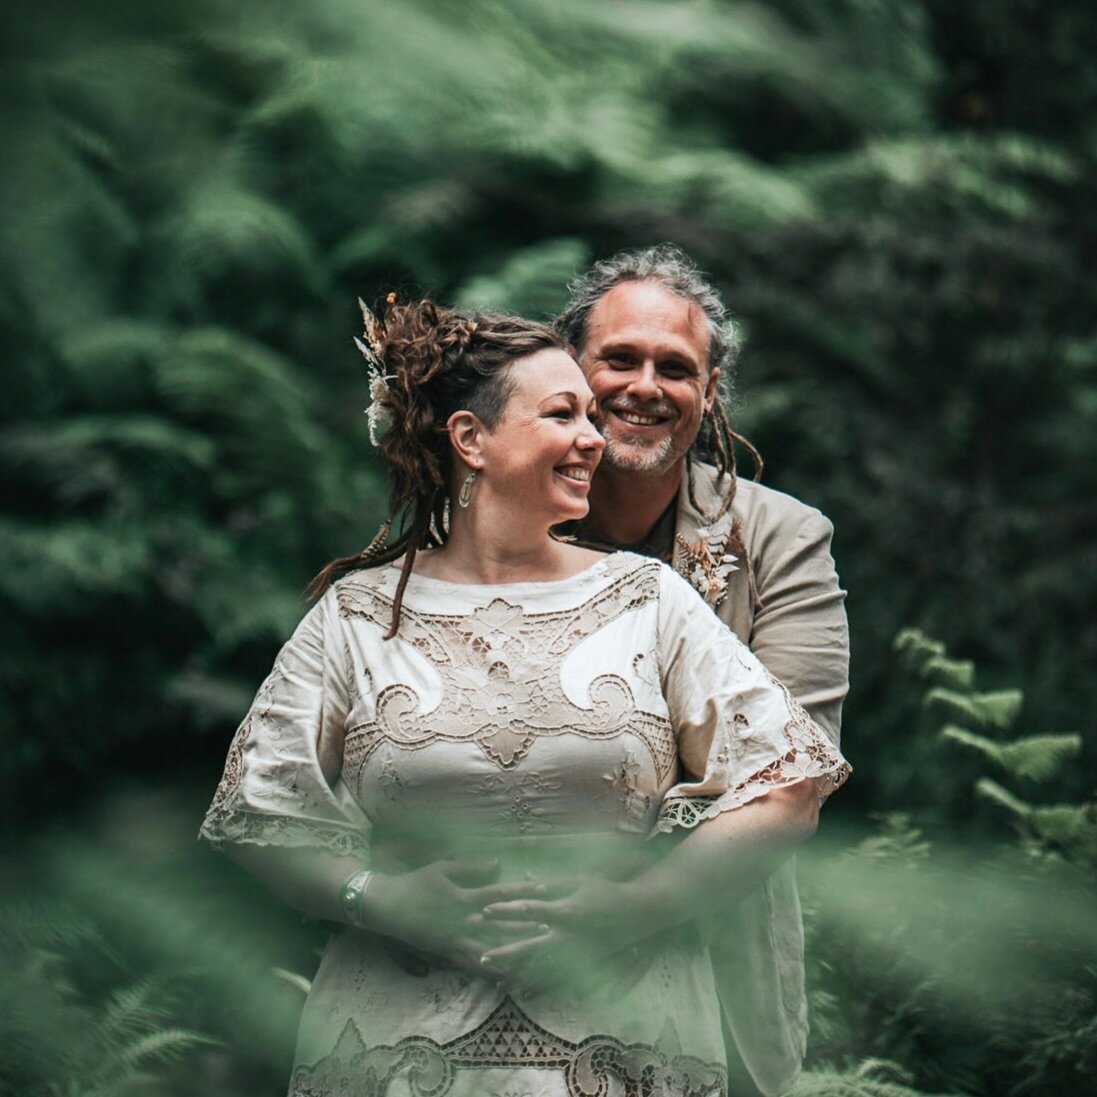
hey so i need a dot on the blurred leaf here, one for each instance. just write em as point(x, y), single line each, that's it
point(996, 709)
point(532, 282)
point(1035, 757)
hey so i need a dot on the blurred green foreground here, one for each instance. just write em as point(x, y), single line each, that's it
point(897, 200)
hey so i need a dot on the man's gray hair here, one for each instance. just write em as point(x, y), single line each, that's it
point(668, 266)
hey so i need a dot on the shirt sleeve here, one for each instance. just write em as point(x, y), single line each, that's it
point(281, 785)
point(740, 732)
point(800, 631)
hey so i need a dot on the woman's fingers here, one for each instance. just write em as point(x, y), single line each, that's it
point(503, 956)
point(544, 960)
point(527, 910)
point(490, 934)
point(503, 893)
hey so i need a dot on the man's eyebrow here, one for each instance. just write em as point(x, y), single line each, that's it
point(624, 342)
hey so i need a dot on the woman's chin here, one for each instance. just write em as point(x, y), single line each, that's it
point(572, 513)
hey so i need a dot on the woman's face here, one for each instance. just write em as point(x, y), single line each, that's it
point(541, 454)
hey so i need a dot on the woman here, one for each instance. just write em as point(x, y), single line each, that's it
point(463, 750)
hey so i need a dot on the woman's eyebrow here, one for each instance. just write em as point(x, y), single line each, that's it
point(569, 396)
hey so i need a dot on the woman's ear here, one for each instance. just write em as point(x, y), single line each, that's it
point(466, 434)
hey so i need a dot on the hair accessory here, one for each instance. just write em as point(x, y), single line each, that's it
point(465, 497)
point(378, 413)
point(351, 894)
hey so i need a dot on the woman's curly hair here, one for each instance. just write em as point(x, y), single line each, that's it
point(436, 361)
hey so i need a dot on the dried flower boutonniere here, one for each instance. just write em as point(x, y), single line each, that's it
point(707, 570)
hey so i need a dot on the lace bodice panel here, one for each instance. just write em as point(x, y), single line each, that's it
point(610, 703)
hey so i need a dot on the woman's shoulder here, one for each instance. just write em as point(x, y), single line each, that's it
point(362, 593)
point(651, 579)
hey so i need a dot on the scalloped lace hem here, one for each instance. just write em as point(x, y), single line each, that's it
point(234, 827)
point(688, 811)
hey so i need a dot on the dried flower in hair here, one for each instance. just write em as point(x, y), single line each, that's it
point(374, 332)
point(378, 414)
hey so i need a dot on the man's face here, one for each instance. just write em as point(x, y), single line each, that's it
point(646, 360)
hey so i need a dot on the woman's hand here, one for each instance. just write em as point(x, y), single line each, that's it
point(581, 934)
point(439, 909)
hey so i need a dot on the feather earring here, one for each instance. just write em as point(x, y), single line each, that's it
point(465, 498)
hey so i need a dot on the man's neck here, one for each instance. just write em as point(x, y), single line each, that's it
point(625, 505)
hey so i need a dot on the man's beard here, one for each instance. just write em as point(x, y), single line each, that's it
point(626, 457)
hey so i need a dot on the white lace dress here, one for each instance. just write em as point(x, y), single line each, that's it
point(553, 726)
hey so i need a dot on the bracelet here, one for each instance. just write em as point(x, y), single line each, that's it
point(351, 894)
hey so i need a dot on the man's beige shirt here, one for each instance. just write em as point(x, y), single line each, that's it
point(798, 630)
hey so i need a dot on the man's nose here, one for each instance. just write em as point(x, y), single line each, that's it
point(644, 383)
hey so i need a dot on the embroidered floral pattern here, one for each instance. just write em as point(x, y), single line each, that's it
point(625, 781)
point(519, 792)
point(500, 668)
point(809, 754)
point(594, 1067)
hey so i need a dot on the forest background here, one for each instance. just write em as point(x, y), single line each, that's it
point(897, 198)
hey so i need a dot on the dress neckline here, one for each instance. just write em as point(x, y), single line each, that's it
point(580, 577)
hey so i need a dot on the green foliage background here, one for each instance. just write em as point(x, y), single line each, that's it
point(896, 197)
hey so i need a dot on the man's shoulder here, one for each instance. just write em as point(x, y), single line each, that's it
point(757, 506)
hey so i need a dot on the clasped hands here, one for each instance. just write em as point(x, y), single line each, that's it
point(527, 933)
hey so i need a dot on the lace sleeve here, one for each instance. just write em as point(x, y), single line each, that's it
point(740, 733)
point(281, 784)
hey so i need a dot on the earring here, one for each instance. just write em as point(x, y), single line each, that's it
point(465, 497)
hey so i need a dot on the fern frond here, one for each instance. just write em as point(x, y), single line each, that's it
point(107, 360)
point(134, 1009)
point(991, 790)
point(958, 673)
point(48, 925)
point(164, 1045)
point(532, 281)
point(56, 445)
point(899, 840)
point(720, 184)
point(987, 747)
point(995, 709)
point(1038, 757)
point(861, 1081)
point(917, 646)
point(988, 174)
point(223, 228)
point(43, 565)
point(1071, 828)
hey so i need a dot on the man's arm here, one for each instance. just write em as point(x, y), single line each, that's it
point(800, 631)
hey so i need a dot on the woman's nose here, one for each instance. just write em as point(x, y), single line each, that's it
point(589, 438)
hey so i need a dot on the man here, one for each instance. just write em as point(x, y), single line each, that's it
point(654, 340)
